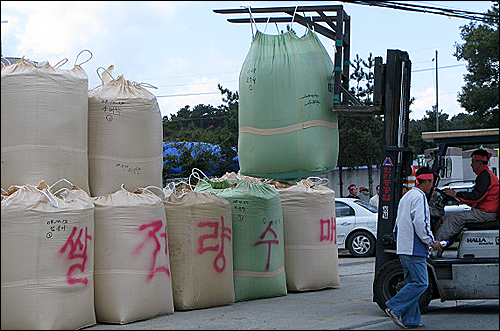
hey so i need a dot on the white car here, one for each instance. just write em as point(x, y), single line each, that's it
point(356, 222)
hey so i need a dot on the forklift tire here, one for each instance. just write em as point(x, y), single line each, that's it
point(389, 279)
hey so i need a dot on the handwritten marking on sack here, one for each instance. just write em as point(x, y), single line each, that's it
point(153, 229)
point(111, 108)
point(78, 250)
point(310, 99)
point(56, 226)
point(225, 233)
point(129, 169)
point(240, 205)
point(330, 233)
point(274, 241)
point(250, 78)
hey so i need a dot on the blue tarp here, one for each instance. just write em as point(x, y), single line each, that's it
point(172, 149)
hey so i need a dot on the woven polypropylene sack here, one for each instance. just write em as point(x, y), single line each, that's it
point(287, 129)
point(132, 266)
point(311, 254)
point(47, 259)
point(125, 137)
point(44, 120)
point(201, 249)
point(258, 253)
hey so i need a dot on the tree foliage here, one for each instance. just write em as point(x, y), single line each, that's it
point(203, 123)
point(480, 49)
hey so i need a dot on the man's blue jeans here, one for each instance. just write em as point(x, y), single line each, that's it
point(405, 302)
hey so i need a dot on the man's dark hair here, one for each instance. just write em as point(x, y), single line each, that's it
point(352, 186)
point(482, 152)
point(424, 170)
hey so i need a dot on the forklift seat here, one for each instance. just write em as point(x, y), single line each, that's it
point(489, 225)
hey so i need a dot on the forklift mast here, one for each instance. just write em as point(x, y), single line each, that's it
point(397, 156)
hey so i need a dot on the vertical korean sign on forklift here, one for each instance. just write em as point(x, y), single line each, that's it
point(386, 186)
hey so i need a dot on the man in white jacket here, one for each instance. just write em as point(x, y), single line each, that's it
point(413, 239)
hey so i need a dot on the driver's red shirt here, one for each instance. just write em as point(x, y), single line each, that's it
point(484, 195)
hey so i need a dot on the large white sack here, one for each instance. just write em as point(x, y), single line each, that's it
point(201, 248)
point(44, 120)
point(311, 254)
point(125, 137)
point(47, 259)
point(132, 266)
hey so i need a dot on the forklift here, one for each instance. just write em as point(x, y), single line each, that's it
point(470, 272)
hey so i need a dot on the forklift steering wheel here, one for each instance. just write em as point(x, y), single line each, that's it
point(447, 196)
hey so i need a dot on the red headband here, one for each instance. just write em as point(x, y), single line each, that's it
point(425, 176)
point(481, 157)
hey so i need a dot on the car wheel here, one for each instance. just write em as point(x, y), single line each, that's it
point(361, 244)
point(389, 279)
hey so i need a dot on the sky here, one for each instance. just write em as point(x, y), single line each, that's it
point(184, 49)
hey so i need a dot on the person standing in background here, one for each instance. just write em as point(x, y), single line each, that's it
point(353, 192)
point(374, 199)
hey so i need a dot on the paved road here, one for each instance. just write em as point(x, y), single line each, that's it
point(349, 307)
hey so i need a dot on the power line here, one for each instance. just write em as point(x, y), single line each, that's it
point(470, 15)
point(445, 67)
point(193, 84)
point(185, 95)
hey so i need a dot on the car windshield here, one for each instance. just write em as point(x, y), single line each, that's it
point(366, 205)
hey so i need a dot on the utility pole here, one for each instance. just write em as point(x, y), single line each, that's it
point(437, 107)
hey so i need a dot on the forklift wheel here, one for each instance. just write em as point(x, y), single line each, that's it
point(389, 279)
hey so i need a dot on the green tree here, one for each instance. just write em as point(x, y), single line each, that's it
point(360, 136)
point(208, 124)
point(480, 49)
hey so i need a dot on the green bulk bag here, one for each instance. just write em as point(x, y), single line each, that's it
point(258, 248)
point(287, 129)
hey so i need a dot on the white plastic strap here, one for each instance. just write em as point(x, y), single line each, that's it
point(293, 17)
point(4, 191)
point(156, 187)
point(265, 28)
point(6, 60)
point(251, 19)
point(85, 50)
point(320, 181)
point(65, 195)
point(52, 199)
point(195, 173)
point(147, 85)
point(61, 180)
point(61, 63)
point(100, 77)
point(184, 191)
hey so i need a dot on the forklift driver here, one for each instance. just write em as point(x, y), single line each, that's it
point(483, 199)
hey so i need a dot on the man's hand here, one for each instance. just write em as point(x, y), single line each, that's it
point(436, 246)
point(451, 192)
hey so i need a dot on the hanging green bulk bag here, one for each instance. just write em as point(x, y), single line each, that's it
point(258, 249)
point(287, 129)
